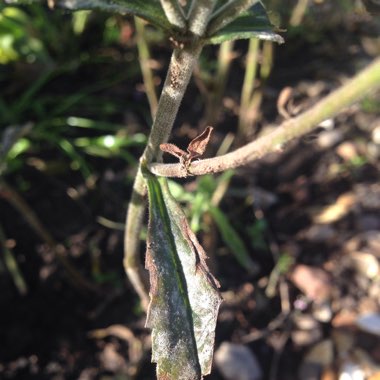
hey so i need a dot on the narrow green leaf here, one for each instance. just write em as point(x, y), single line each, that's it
point(228, 12)
point(12, 142)
point(232, 239)
point(184, 300)
point(253, 23)
point(150, 10)
point(77, 161)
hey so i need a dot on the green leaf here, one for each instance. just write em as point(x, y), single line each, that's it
point(253, 23)
point(179, 192)
point(77, 161)
point(12, 142)
point(184, 300)
point(150, 10)
point(232, 239)
point(16, 38)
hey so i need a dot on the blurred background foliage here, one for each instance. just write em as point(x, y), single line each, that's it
point(58, 72)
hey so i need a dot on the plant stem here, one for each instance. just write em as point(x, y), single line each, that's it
point(248, 85)
point(225, 56)
point(144, 57)
point(182, 63)
point(174, 13)
point(12, 266)
point(180, 70)
point(213, 85)
point(266, 60)
point(199, 16)
point(364, 82)
point(298, 12)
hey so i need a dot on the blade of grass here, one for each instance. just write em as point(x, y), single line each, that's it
point(248, 85)
point(144, 57)
point(12, 266)
point(232, 239)
point(78, 161)
point(27, 97)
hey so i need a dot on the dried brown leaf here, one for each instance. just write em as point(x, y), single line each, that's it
point(198, 145)
point(173, 150)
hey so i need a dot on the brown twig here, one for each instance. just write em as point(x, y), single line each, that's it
point(364, 82)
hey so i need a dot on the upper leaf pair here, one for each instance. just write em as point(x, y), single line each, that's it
point(231, 20)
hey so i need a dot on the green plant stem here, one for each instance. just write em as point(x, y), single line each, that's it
point(251, 98)
point(364, 82)
point(298, 12)
point(12, 266)
point(180, 70)
point(225, 55)
point(199, 16)
point(174, 13)
point(144, 57)
point(32, 219)
point(266, 60)
point(248, 85)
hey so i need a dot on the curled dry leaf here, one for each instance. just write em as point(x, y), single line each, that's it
point(198, 145)
point(195, 149)
point(173, 150)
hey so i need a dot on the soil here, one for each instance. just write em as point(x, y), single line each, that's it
point(308, 215)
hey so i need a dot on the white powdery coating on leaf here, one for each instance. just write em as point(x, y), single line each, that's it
point(184, 301)
point(204, 298)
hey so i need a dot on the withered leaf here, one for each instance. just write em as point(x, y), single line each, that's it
point(195, 149)
point(184, 300)
point(198, 145)
point(173, 150)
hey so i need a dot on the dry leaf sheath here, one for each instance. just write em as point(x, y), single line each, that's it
point(195, 149)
